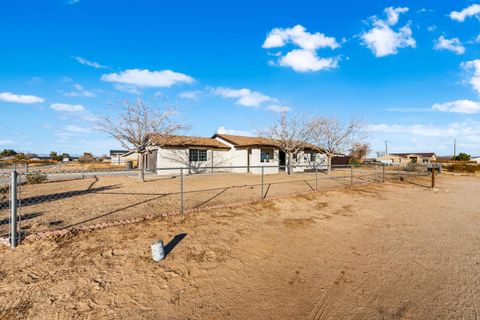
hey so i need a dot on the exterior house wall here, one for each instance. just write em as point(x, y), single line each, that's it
point(179, 158)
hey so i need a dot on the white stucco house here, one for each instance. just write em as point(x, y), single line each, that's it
point(223, 152)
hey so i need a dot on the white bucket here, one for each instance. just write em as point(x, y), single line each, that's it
point(158, 250)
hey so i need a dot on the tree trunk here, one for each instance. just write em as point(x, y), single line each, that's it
point(329, 164)
point(141, 168)
point(289, 161)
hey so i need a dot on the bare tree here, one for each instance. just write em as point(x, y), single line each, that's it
point(140, 126)
point(359, 151)
point(291, 135)
point(334, 137)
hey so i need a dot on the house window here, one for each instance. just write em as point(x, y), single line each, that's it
point(313, 157)
point(198, 155)
point(266, 155)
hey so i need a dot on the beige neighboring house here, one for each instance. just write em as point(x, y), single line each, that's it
point(477, 160)
point(121, 158)
point(405, 158)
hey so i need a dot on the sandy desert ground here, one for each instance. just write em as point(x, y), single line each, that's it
point(391, 251)
point(97, 199)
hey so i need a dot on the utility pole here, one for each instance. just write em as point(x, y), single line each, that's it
point(454, 149)
point(386, 147)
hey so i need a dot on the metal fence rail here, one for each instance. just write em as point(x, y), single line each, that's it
point(38, 201)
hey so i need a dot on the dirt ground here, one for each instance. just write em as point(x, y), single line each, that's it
point(391, 251)
point(97, 199)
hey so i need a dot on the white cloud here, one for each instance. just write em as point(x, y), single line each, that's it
point(147, 78)
point(245, 97)
point(223, 130)
point(6, 142)
point(80, 92)
point(431, 28)
point(453, 44)
point(190, 95)
point(306, 61)
point(474, 66)
point(393, 13)
point(383, 40)
point(65, 107)
point(76, 129)
point(306, 58)
point(458, 106)
point(89, 63)
point(278, 108)
point(298, 36)
point(460, 16)
point(20, 98)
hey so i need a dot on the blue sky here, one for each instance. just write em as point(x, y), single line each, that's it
point(408, 68)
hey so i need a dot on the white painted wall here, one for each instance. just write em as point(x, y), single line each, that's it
point(179, 158)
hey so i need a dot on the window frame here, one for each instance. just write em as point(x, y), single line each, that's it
point(197, 155)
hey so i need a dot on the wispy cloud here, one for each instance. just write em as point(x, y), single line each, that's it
point(306, 58)
point(20, 98)
point(79, 92)
point(65, 107)
point(245, 97)
point(458, 106)
point(470, 11)
point(223, 130)
point(147, 78)
point(474, 67)
point(190, 95)
point(76, 129)
point(453, 45)
point(278, 108)
point(6, 142)
point(89, 63)
point(382, 39)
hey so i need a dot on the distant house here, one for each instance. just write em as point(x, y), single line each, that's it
point(476, 159)
point(115, 156)
point(223, 152)
point(405, 158)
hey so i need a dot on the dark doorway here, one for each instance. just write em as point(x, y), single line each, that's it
point(281, 160)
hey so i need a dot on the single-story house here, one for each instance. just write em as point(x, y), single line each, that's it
point(116, 157)
point(405, 158)
point(476, 159)
point(223, 152)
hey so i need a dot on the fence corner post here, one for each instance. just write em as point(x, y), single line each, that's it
point(13, 209)
point(351, 175)
point(181, 192)
point(261, 187)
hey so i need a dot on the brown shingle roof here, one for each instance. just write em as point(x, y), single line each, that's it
point(244, 142)
point(188, 141)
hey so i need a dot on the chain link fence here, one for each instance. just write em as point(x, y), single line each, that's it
point(47, 200)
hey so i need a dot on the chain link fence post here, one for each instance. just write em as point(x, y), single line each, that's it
point(351, 175)
point(399, 178)
point(316, 177)
point(376, 174)
point(261, 187)
point(383, 174)
point(13, 209)
point(181, 192)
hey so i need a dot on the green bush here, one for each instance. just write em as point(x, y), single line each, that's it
point(36, 177)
